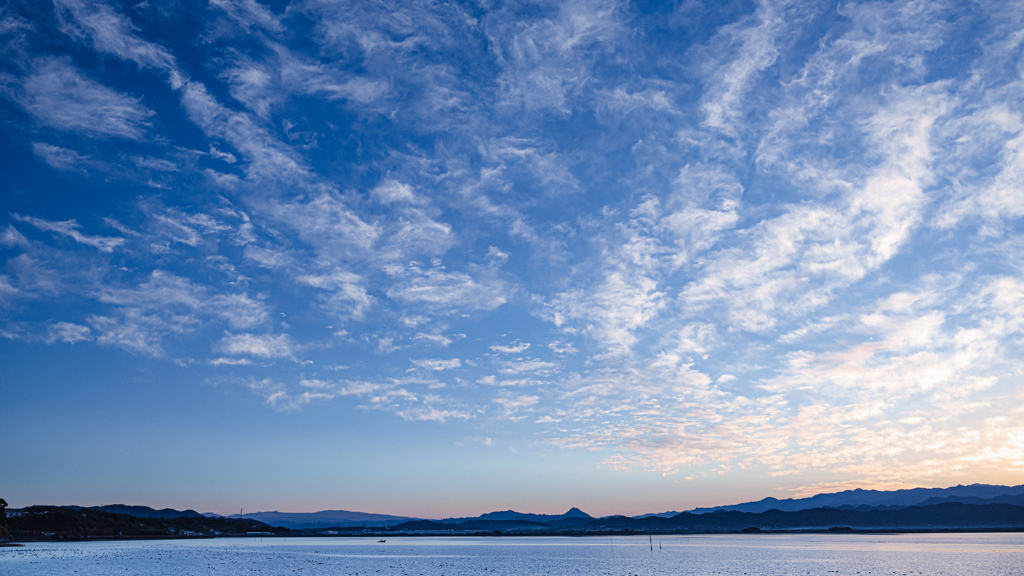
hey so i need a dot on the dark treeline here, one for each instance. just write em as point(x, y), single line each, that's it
point(42, 521)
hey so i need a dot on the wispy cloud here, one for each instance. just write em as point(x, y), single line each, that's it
point(109, 32)
point(70, 228)
point(68, 332)
point(57, 156)
point(528, 365)
point(448, 290)
point(514, 348)
point(437, 364)
point(347, 296)
point(59, 96)
point(259, 345)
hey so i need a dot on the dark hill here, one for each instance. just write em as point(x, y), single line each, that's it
point(573, 515)
point(1014, 499)
point(323, 519)
point(145, 511)
point(67, 522)
point(871, 498)
point(950, 515)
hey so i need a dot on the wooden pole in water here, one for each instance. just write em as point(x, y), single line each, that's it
point(651, 540)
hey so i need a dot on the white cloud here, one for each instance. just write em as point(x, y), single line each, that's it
point(624, 101)
point(268, 257)
point(184, 228)
point(513, 348)
point(230, 362)
point(520, 366)
point(167, 304)
point(266, 84)
point(614, 310)
point(547, 61)
point(431, 413)
point(391, 191)
point(68, 332)
point(381, 343)
point(439, 339)
point(161, 291)
point(327, 223)
point(559, 347)
point(71, 228)
point(239, 310)
point(7, 291)
point(58, 96)
point(12, 238)
point(277, 394)
point(834, 246)
point(527, 163)
point(268, 158)
point(249, 14)
point(224, 156)
point(37, 275)
point(136, 332)
point(437, 364)
point(451, 290)
point(259, 345)
point(347, 299)
point(999, 198)
point(511, 405)
point(415, 232)
point(746, 49)
point(158, 164)
point(696, 338)
point(109, 32)
point(704, 206)
point(57, 156)
point(353, 88)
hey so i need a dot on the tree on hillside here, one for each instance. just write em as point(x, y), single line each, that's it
point(3, 517)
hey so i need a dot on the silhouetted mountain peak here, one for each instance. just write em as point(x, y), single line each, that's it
point(572, 516)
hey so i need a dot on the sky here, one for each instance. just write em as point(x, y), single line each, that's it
point(443, 258)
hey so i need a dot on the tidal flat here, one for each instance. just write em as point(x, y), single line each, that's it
point(720, 555)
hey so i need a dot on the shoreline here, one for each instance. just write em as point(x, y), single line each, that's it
point(17, 541)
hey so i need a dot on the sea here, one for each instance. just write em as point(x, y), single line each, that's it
point(676, 555)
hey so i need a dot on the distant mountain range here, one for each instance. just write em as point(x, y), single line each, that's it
point(931, 507)
point(572, 515)
point(945, 516)
point(659, 514)
point(859, 499)
point(323, 519)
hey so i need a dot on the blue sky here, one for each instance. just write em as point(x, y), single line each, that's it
point(437, 259)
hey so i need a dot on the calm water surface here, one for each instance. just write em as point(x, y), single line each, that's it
point(751, 555)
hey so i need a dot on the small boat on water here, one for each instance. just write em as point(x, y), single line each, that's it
point(381, 541)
